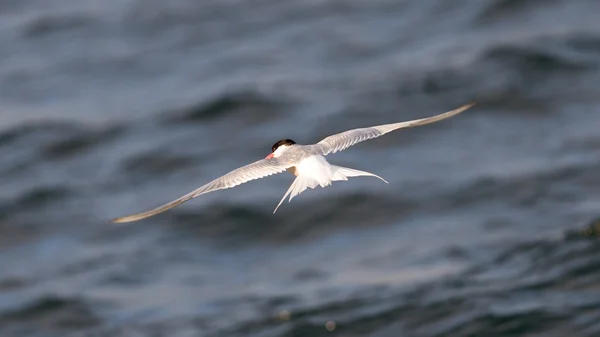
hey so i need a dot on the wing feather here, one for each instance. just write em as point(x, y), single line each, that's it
point(344, 140)
point(256, 170)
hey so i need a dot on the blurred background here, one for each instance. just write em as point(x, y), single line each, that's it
point(113, 107)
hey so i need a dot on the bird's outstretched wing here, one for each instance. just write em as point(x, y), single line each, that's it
point(344, 140)
point(256, 170)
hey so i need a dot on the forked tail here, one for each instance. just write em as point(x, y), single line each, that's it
point(343, 173)
point(302, 182)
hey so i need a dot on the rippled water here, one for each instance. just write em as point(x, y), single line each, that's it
point(488, 227)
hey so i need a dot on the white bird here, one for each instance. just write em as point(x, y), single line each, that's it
point(306, 162)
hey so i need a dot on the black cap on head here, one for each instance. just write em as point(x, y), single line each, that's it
point(282, 142)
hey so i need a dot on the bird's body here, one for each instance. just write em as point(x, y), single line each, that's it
point(312, 170)
point(306, 162)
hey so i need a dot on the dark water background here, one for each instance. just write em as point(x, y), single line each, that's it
point(111, 107)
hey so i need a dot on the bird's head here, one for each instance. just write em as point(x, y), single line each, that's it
point(280, 147)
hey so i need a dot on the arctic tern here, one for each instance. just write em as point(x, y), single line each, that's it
point(306, 162)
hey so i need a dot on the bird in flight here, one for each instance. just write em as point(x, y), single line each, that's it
point(306, 162)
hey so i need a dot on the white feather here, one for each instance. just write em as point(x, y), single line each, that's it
point(316, 170)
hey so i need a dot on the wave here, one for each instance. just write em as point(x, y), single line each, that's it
point(155, 163)
point(514, 293)
point(531, 58)
point(40, 196)
point(49, 24)
point(498, 9)
point(52, 140)
point(248, 106)
point(16, 213)
point(51, 314)
point(301, 221)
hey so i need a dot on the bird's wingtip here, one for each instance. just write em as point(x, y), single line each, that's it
point(121, 220)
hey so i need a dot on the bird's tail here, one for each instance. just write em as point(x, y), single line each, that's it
point(300, 184)
point(343, 173)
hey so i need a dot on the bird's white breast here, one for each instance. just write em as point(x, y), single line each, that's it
point(316, 167)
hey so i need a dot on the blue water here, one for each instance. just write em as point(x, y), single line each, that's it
point(113, 107)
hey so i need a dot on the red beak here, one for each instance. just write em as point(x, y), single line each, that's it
point(269, 156)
